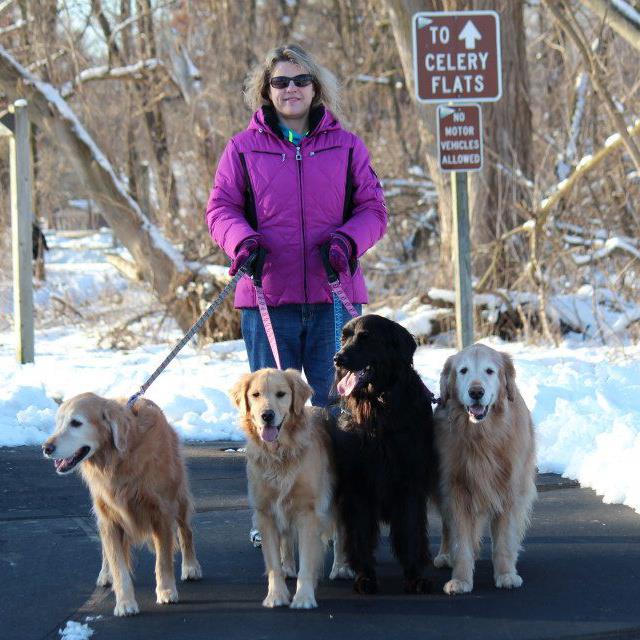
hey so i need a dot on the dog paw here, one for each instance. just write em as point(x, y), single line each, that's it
point(417, 585)
point(457, 586)
point(166, 596)
point(442, 560)
point(191, 571)
point(342, 572)
point(365, 585)
point(276, 599)
point(126, 608)
point(508, 581)
point(304, 600)
point(289, 571)
point(104, 579)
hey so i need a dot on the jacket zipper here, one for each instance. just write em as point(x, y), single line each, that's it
point(304, 243)
point(269, 153)
point(317, 151)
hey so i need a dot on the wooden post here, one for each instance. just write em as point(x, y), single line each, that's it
point(462, 255)
point(21, 232)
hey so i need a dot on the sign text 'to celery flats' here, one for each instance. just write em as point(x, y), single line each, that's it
point(457, 56)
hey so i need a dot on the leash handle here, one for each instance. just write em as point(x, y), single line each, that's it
point(334, 282)
point(340, 298)
point(255, 272)
point(256, 276)
point(332, 274)
point(244, 269)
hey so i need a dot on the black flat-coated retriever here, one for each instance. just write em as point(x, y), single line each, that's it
point(384, 449)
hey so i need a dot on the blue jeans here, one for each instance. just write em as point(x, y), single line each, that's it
point(305, 338)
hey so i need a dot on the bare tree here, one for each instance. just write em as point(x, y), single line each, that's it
point(157, 87)
point(147, 96)
point(160, 263)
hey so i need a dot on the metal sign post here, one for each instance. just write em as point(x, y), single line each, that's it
point(21, 232)
point(462, 263)
point(457, 58)
point(460, 151)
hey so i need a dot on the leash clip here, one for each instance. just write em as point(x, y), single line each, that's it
point(132, 400)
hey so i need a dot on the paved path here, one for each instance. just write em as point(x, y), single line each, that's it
point(581, 571)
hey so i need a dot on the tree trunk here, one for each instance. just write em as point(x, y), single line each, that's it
point(146, 90)
point(498, 195)
point(401, 14)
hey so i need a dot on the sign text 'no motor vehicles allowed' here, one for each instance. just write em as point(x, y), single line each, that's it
point(460, 137)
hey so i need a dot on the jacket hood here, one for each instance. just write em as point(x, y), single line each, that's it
point(320, 120)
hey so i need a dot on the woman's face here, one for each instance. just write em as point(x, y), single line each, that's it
point(291, 102)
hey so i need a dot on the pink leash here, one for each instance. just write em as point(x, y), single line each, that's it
point(266, 321)
point(336, 288)
point(256, 276)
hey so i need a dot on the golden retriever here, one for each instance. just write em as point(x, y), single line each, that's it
point(485, 443)
point(131, 461)
point(291, 480)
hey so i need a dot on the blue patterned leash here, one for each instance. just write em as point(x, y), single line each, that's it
point(337, 320)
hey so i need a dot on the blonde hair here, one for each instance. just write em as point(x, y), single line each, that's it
point(325, 84)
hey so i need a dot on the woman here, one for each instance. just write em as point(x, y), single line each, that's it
point(292, 182)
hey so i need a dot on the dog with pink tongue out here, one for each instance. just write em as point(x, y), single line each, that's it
point(291, 480)
point(383, 444)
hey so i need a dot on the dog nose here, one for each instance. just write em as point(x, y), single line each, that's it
point(338, 359)
point(476, 393)
point(268, 416)
point(48, 449)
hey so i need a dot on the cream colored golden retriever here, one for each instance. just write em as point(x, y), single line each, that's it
point(291, 481)
point(131, 461)
point(485, 442)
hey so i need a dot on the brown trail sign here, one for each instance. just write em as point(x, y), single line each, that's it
point(457, 56)
point(460, 137)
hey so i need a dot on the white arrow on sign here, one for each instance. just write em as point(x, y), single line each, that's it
point(470, 34)
point(423, 22)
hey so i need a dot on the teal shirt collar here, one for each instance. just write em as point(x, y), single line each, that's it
point(292, 136)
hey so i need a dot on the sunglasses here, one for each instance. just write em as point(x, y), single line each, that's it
point(282, 82)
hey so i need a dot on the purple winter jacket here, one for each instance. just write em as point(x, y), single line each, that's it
point(299, 196)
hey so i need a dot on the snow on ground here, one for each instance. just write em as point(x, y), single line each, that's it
point(75, 631)
point(584, 398)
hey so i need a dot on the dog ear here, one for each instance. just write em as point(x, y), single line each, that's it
point(300, 390)
point(116, 419)
point(447, 380)
point(238, 393)
point(508, 370)
point(404, 342)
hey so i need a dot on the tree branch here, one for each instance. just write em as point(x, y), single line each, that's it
point(586, 165)
point(618, 21)
point(132, 71)
point(594, 67)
